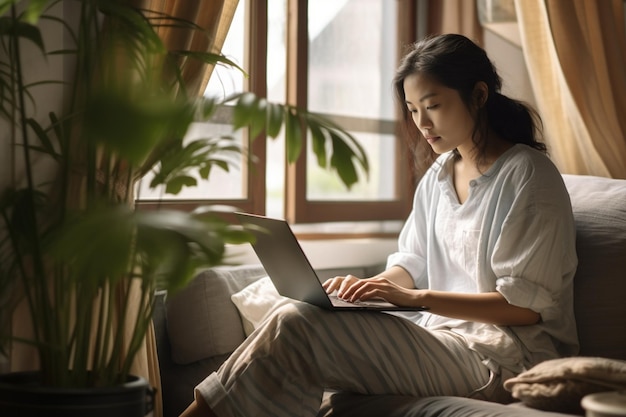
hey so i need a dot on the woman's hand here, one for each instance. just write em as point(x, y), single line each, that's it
point(351, 288)
point(340, 284)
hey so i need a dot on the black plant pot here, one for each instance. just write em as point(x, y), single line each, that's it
point(21, 395)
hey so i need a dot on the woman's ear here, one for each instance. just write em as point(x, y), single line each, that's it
point(480, 94)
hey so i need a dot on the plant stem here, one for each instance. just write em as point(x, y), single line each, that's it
point(42, 300)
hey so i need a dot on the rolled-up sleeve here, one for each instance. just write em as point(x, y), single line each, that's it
point(533, 255)
point(410, 254)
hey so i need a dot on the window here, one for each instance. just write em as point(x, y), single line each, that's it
point(333, 57)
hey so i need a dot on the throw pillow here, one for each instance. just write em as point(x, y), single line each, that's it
point(560, 384)
point(256, 302)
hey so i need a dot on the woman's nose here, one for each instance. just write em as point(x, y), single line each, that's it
point(422, 121)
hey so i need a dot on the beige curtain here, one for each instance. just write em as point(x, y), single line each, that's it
point(576, 55)
point(215, 16)
point(455, 16)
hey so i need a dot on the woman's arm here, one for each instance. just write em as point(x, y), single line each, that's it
point(489, 307)
point(395, 285)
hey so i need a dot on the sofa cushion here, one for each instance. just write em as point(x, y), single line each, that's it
point(599, 206)
point(560, 384)
point(202, 321)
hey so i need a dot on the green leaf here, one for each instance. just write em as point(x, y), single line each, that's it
point(96, 245)
point(275, 114)
point(167, 257)
point(342, 161)
point(175, 185)
point(258, 118)
point(318, 142)
point(205, 171)
point(5, 5)
point(133, 126)
point(344, 146)
point(210, 58)
point(197, 155)
point(250, 111)
point(57, 127)
point(46, 144)
point(293, 136)
point(34, 10)
point(244, 110)
point(23, 30)
point(174, 243)
point(356, 148)
point(207, 107)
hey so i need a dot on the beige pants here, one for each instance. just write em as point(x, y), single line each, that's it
point(283, 368)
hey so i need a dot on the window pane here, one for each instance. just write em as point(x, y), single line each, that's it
point(276, 81)
point(352, 57)
point(325, 185)
point(225, 80)
point(352, 61)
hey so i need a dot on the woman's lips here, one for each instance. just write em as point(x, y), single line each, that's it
point(431, 139)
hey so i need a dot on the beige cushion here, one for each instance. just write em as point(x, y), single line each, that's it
point(202, 321)
point(257, 302)
point(599, 206)
point(560, 384)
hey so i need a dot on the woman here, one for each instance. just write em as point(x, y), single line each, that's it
point(488, 247)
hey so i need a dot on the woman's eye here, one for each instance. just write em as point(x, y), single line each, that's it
point(431, 107)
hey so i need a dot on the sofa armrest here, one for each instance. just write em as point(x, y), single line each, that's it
point(201, 320)
point(599, 206)
point(177, 381)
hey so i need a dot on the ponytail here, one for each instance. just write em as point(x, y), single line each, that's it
point(515, 121)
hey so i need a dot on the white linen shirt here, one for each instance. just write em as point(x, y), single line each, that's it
point(514, 234)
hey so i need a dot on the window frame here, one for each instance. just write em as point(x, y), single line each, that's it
point(254, 173)
point(299, 210)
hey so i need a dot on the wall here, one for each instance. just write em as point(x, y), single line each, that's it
point(506, 53)
point(46, 98)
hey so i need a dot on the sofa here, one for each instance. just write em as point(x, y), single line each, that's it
point(198, 327)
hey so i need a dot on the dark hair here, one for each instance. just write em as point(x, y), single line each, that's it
point(458, 63)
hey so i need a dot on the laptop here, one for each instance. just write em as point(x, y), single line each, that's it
point(290, 270)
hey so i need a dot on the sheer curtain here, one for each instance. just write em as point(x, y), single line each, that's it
point(214, 16)
point(576, 55)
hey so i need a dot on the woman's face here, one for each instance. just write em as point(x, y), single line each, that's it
point(440, 114)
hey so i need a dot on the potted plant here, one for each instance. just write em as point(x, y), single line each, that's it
point(72, 249)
